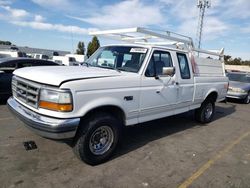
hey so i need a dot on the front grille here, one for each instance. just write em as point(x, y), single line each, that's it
point(26, 91)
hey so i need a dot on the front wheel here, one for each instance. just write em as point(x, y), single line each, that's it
point(205, 113)
point(96, 143)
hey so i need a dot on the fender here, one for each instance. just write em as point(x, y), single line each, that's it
point(211, 91)
point(103, 101)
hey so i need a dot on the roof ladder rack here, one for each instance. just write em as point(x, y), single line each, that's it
point(139, 35)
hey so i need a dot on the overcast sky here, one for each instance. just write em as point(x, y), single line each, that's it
point(60, 24)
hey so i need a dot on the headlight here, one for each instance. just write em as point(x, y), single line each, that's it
point(60, 100)
point(238, 90)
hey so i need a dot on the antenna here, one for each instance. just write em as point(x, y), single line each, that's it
point(202, 5)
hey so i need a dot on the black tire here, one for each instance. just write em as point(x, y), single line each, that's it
point(90, 130)
point(205, 113)
point(247, 99)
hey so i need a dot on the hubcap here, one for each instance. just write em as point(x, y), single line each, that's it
point(208, 111)
point(101, 140)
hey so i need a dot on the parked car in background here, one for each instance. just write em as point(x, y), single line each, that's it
point(239, 86)
point(11, 53)
point(8, 65)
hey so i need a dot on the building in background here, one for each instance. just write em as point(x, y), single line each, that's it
point(29, 50)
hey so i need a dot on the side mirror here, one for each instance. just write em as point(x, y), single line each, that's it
point(168, 71)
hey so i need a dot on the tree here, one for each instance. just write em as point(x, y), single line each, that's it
point(80, 48)
point(235, 61)
point(227, 58)
point(89, 49)
point(5, 42)
point(93, 46)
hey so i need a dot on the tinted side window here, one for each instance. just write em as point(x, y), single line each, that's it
point(72, 59)
point(35, 63)
point(4, 55)
point(8, 64)
point(183, 64)
point(159, 59)
point(21, 54)
point(25, 64)
point(58, 62)
point(45, 57)
point(45, 63)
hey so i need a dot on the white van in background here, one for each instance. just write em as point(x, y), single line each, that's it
point(64, 60)
point(40, 56)
point(79, 58)
point(11, 53)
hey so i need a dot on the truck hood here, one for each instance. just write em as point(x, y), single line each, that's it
point(55, 75)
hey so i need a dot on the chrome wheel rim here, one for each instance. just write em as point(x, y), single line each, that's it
point(208, 111)
point(248, 98)
point(101, 140)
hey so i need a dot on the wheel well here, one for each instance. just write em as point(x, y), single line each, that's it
point(213, 96)
point(114, 110)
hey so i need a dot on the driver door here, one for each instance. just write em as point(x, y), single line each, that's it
point(158, 91)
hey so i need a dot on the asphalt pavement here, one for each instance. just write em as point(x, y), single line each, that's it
point(170, 152)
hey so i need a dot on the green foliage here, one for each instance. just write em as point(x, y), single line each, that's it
point(227, 58)
point(93, 46)
point(89, 49)
point(80, 48)
point(5, 42)
point(236, 61)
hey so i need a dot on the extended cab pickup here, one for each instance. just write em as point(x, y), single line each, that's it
point(120, 85)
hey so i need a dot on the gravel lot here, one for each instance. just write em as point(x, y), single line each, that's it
point(171, 152)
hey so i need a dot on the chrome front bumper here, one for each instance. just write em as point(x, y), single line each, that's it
point(236, 95)
point(45, 126)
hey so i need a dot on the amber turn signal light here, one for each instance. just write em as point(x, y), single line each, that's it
point(56, 106)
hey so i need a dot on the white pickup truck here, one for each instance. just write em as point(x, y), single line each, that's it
point(139, 82)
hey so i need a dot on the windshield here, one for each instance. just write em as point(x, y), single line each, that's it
point(239, 77)
point(118, 57)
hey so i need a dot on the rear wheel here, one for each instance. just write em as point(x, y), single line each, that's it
point(97, 139)
point(247, 99)
point(205, 113)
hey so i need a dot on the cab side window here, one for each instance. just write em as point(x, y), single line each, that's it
point(183, 64)
point(159, 59)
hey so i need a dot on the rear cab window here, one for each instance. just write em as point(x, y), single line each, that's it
point(183, 65)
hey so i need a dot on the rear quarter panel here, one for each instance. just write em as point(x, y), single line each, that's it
point(206, 85)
